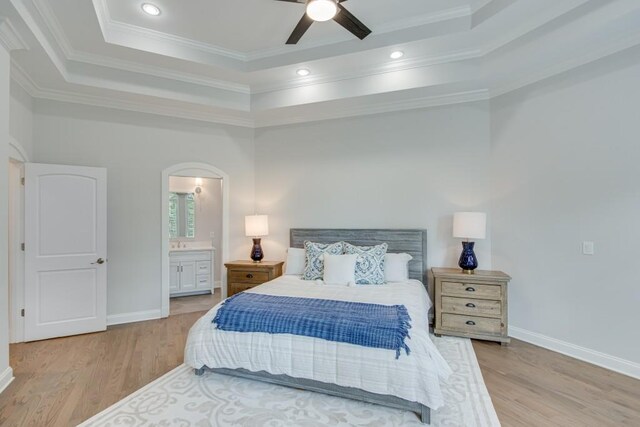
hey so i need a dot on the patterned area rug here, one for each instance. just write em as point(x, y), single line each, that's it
point(181, 399)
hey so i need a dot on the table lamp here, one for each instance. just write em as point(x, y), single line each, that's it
point(256, 226)
point(469, 225)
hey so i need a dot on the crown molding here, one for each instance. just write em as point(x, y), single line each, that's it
point(23, 80)
point(161, 103)
point(51, 21)
point(375, 108)
point(593, 54)
point(10, 38)
point(109, 26)
point(401, 65)
point(145, 107)
point(133, 67)
point(425, 61)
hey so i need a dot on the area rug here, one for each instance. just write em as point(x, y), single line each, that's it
point(181, 399)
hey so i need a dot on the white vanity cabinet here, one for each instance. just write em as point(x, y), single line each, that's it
point(191, 272)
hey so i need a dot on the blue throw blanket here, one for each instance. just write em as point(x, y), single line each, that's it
point(369, 325)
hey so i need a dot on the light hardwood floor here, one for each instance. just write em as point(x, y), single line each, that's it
point(64, 381)
point(192, 304)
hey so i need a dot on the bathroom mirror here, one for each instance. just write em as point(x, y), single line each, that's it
point(182, 215)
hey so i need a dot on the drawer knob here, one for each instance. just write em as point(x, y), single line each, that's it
point(470, 289)
point(471, 323)
point(471, 305)
point(249, 276)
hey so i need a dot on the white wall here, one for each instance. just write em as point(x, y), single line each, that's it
point(21, 118)
point(409, 169)
point(6, 374)
point(565, 159)
point(135, 149)
point(208, 213)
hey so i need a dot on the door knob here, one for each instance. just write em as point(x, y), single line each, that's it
point(99, 261)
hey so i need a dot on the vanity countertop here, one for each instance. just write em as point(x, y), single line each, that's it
point(203, 248)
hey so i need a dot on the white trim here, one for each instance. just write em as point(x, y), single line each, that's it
point(374, 108)
point(16, 234)
point(23, 80)
point(113, 30)
point(137, 316)
point(401, 65)
point(16, 151)
point(593, 54)
point(181, 169)
point(233, 118)
point(6, 378)
point(625, 367)
point(10, 38)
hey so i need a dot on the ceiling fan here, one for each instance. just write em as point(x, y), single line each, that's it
point(324, 10)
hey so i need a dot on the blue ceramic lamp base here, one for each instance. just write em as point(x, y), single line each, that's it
point(468, 261)
point(256, 251)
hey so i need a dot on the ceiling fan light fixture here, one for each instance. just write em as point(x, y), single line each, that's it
point(303, 72)
point(322, 10)
point(150, 9)
point(396, 54)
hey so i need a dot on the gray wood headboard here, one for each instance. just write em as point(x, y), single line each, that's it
point(413, 242)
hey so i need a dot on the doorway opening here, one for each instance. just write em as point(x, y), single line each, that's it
point(194, 237)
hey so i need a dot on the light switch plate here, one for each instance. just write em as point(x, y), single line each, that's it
point(588, 248)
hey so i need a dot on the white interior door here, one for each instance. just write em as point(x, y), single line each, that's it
point(65, 250)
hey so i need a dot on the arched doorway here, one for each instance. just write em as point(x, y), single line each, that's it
point(195, 170)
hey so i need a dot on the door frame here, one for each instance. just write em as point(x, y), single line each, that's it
point(17, 154)
point(196, 170)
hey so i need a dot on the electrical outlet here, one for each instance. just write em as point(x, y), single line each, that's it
point(212, 235)
point(588, 248)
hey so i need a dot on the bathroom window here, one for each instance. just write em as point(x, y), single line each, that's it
point(182, 215)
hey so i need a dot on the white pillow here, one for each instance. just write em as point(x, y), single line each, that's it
point(295, 262)
point(339, 269)
point(396, 267)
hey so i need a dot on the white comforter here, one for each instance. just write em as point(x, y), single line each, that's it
point(415, 377)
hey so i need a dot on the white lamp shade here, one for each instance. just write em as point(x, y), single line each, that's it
point(256, 225)
point(470, 225)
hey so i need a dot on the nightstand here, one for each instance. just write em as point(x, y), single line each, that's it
point(471, 305)
point(243, 275)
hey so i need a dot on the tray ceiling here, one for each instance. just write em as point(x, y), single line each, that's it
point(225, 61)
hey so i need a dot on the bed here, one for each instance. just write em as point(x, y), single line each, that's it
point(368, 374)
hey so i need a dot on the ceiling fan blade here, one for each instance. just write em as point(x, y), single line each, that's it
point(295, 1)
point(351, 23)
point(300, 29)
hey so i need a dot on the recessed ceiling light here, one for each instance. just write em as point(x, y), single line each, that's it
point(151, 9)
point(397, 54)
point(303, 72)
point(322, 10)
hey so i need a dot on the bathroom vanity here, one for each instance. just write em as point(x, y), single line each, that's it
point(191, 271)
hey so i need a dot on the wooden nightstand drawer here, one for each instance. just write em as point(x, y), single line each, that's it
point(471, 324)
point(249, 277)
point(471, 290)
point(474, 307)
point(243, 275)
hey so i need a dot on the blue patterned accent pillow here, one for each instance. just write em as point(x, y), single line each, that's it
point(370, 263)
point(314, 262)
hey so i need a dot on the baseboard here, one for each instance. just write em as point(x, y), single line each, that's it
point(5, 378)
point(604, 360)
point(217, 284)
point(138, 316)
